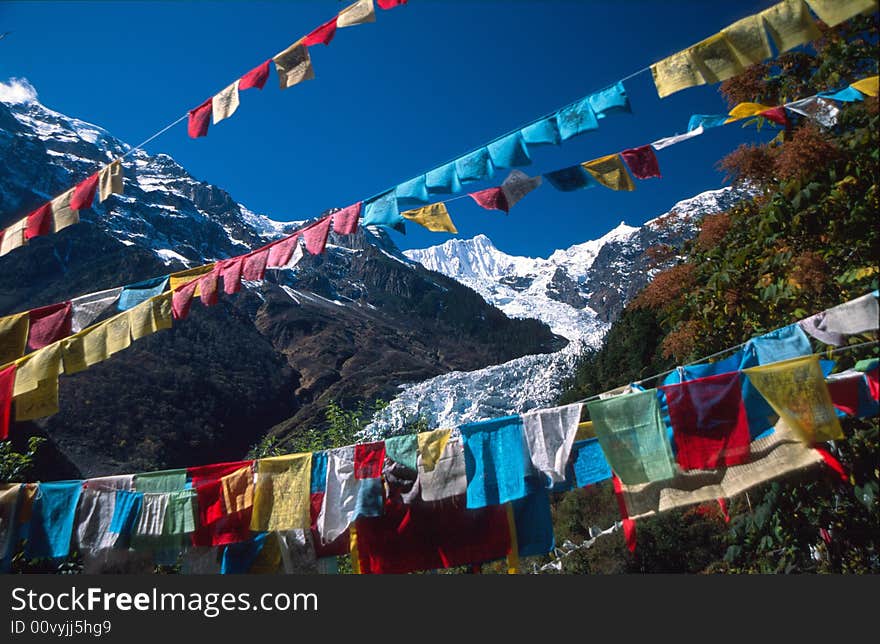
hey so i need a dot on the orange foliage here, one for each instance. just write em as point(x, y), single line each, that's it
point(809, 272)
point(659, 254)
point(749, 163)
point(749, 86)
point(808, 150)
point(713, 230)
point(666, 287)
point(680, 343)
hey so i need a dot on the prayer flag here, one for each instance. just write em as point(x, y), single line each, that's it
point(224, 104)
point(845, 95)
point(256, 77)
point(84, 193)
point(790, 24)
point(610, 172)
point(13, 236)
point(715, 59)
point(49, 324)
point(281, 501)
point(37, 367)
point(181, 300)
point(868, 86)
point(13, 336)
point(782, 344)
point(443, 180)
point(431, 446)
point(833, 12)
point(340, 496)
point(797, 391)
point(496, 461)
point(509, 151)
point(775, 114)
point(382, 211)
point(134, 294)
point(110, 180)
point(709, 422)
point(199, 119)
point(321, 35)
point(254, 267)
point(357, 13)
point(403, 449)
point(517, 185)
point(294, 65)
point(434, 217)
point(642, 162)
point(414, 190)
point(588, 462)
point(549, 435)
point(633, 436)
point(474, 166)
point(821, 110)
point(447, 477)
point(491, 199)
point(543, 132)
point(7, 384)
point(836, 324)
point(63, 215)
point(533, 522)
point(230, 271)
point(39, 222)
point(707, 121)
point(368, 460)
point(52, 518)
point(345, 222)
point(570, 179)
point(315, 236)
point(88, 308)
point(749, 41)
point(744, 110)
point(610, 100)
point(575, 119)
point(675, 73)
point(208, 288)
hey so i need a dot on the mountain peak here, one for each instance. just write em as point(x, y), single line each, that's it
point(17, 90)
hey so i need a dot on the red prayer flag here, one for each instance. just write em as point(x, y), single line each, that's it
point(222, 529)
point(208, 289)
point(39, 222)
point(84, 193)
point(322, 35)
point(345, 222)
point(776, 114)
point(390, 4)
point(48, 324)
point(255, 265)
point(426, 536)
point(7, 382)
point(845, 394)
point(491, 199)
point(642, 162)
point(833, 463)
point(256, 77)
point(181, 299)
point(230, 271)
point(873, 383)
point(368, 460)
point(709, 422)
point(280, 252)
point(315, 236)
point(199, 119)
point(629, 526)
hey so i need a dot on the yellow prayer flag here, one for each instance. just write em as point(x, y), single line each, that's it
point(833, 12)
point(62, 214)
point(282, 493)
point(868, 86)
point(749, 41)
point(110, 180)
point(610, 172)
point(431, 446)
point(13, 236)
point(150, 316)
point(238, 490)
point(434, 217)
point(745, 110)
point(294, 65)
point(585, 431)
point(675, 73)
point(797, 391)
point(95, 344)
point(38, 403)
point(118, 333)
point(73, 353)
point(31, 370)
point(715, 59)
point(790, 24)
point(13, 336)
point(358, 13)
point(184, 277)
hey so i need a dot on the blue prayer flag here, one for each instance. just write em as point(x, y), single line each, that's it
point(135, 294)
point(319, 472)
point(413, 190)
point(475, 166)
point(443, 180)
point(496, 461)
point(609, 100)
point(707, 121)
point(782, 344)
point(239, 557)
point(383, 211)
point(576, 118)
point(509, 152)
point(544, 132)
point(570, 179)
point(589, 462)
point(52, 519)
point(534, 524)
point(846, 95)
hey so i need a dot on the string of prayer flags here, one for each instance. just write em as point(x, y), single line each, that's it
point(434, 217)
point(642, 162)
point(199, 119)
point(633, 437)
point(610, 172)
point(836, 324)
point(359, 13)
point(790, 24)
point(709, 422)
point(797, 391)
point(293, 65)
point(224, 104)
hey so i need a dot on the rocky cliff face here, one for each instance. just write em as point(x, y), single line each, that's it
point(351, 324)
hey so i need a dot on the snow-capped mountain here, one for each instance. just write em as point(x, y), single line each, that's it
point(577, 291)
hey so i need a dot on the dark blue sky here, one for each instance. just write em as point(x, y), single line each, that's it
point(425, 83)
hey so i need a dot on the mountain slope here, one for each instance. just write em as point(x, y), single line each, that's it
point(351, 324)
